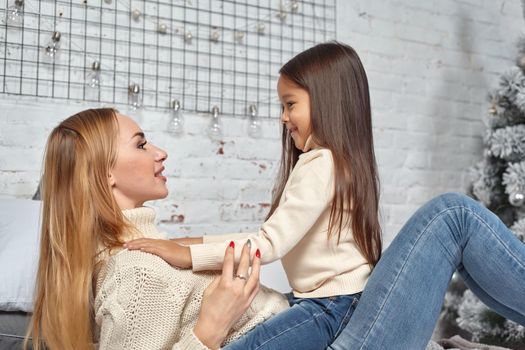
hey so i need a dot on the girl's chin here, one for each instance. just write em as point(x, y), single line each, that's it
point(298, 145)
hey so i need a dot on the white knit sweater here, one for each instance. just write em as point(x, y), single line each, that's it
point(144, 303)
point(297, 233)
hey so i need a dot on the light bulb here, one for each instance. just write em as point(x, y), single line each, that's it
point(188, 37)
point(294, 6)
point(162, 28)
point(135, 14)
point(176, 124)
point(134, 100)
point(214, 129)
point(215, 35)
point(282, 12)
point(239, 36)
point(260, 28)
point(15, 13)
point(93, 78)
point(53, 45)
point(254, 126)
point(282, 15)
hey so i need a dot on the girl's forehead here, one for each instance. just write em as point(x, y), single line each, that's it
point(288, 84)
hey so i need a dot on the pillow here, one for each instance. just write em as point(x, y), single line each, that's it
point(19, 249)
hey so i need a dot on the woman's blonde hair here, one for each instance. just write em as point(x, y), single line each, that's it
point(79, 215)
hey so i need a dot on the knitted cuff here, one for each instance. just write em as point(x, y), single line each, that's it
point(190, 342)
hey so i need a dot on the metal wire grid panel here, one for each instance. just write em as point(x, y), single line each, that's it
point(201, 52)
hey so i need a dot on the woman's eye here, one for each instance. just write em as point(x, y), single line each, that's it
point(290, 104)
point(141, 146)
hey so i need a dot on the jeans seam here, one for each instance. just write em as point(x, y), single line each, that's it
point(345, 319)
point(493, 232)
point(315, 316)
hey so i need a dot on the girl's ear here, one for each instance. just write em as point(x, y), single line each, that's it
point(111, 179)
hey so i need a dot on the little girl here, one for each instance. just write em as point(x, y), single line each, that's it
point(323, 222)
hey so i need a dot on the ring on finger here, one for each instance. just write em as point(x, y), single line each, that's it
point(240, 276)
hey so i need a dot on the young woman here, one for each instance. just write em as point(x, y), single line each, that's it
point(98, 172)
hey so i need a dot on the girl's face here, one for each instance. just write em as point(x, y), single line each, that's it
point(137, 174)
point(295, 103)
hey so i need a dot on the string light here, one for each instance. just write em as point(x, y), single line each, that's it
point(134, 100)
point(53, 45)
point(176, 124)
point(52, 49)
point(93, 78)
point(135, 14)
point(254, 126)
point(214, 129)
point(15, 13)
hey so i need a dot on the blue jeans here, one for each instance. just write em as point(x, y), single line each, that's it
point(309, 324)
point(403, 297)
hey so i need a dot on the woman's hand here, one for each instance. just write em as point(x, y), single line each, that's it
point(227, 297)
point(169, 250)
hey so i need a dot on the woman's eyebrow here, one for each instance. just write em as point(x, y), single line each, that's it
point(140, 134)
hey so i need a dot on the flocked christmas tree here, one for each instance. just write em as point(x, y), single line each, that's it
point(498, 183)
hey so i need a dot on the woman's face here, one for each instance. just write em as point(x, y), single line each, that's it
point(295, 103)
point(137, 174)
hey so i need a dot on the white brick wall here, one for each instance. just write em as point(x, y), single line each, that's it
point(430, 66)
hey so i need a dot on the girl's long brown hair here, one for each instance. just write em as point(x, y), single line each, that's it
point(79, 214)
point(341, 120)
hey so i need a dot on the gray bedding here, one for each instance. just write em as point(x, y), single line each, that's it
point(13, 327)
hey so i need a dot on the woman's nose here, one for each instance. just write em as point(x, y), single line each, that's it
point(160, 154)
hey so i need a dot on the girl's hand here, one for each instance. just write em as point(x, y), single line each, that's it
point(188, 240)
point(227, 297)
point(172, 252)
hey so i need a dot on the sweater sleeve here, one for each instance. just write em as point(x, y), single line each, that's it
point(227, 237)
point(308, 194)
point(139, 312)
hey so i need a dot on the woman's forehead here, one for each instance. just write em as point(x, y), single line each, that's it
point(128, 128)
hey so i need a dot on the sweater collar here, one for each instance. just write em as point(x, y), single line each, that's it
point(310, 144)
point(143, 220)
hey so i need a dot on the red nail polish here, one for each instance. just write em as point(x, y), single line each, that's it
point(258, 253)
point(232, 244)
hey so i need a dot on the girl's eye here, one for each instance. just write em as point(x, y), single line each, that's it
point(141, 146)
point(290, 104)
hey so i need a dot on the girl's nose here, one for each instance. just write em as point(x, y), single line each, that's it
point(284, 116)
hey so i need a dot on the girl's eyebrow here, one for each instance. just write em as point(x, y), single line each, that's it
point(288, 95)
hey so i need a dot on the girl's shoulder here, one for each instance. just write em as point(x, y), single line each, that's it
point(318, 162)
point(321, 157)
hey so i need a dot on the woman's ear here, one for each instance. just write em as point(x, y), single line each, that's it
point(111, 179)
